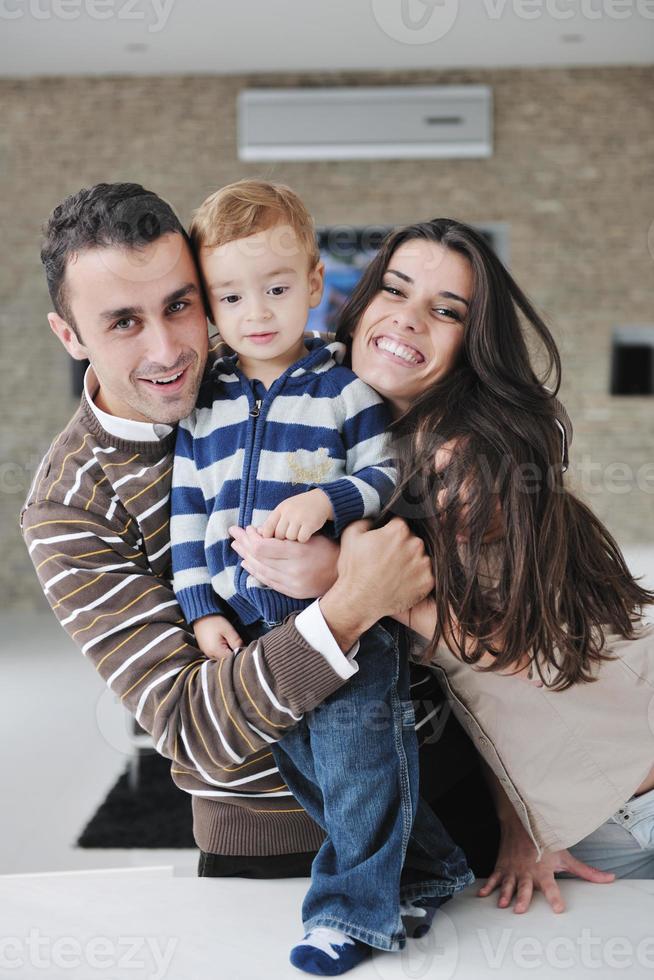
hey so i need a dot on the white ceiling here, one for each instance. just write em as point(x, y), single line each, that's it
point(89, 37)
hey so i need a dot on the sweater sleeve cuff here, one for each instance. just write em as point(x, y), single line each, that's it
point(198, 601)
point(302, 676)
point(313, 627)
point(347, 503)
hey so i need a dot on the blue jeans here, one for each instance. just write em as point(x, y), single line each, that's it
point(353, 765)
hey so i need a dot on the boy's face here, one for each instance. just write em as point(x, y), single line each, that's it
point(260, 290)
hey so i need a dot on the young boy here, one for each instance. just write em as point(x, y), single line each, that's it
point(287, 439)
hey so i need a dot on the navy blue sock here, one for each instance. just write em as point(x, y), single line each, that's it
point(418, 915)
point(328, 953)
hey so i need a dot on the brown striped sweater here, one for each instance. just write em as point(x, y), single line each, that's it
point(96, 527)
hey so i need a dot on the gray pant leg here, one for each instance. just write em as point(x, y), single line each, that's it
point(612, 848)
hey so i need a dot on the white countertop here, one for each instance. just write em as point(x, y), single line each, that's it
point(146, 923)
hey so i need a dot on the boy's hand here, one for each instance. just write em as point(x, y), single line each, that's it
point(216, 637)
point(297, 518)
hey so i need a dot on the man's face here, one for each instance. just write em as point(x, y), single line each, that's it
point(142, 325)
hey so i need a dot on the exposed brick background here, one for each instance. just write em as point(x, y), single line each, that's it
point(571, 174)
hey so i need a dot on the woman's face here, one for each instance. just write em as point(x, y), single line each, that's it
point(411, 333)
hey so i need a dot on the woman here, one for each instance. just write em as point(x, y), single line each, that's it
point(433, 326)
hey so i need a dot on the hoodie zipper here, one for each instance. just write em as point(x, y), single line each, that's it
point(245, 516)
point(253, 414)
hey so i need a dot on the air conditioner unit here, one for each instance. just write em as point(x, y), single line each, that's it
point(365, 123)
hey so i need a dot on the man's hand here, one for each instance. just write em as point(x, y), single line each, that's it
point(297, 518)
point(518, 874)
point(301, 571)
point(380, 573)
point(216, 637)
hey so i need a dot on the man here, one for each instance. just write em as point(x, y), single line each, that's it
point(127, 297)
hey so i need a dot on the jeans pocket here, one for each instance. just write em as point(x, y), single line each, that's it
point(642, 815)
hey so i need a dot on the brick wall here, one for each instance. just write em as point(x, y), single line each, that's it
point(571, 174)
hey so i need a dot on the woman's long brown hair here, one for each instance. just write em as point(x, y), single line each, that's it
point(553, 581)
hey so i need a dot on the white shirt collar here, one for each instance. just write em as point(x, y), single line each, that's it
point(128, 429)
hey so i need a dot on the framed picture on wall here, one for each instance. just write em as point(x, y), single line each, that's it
point(346, 251)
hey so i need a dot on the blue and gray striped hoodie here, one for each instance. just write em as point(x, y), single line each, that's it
point(244, 449)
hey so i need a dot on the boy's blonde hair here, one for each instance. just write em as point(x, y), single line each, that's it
point(248, 206)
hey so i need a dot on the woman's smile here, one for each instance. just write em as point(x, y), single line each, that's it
point(397, 349)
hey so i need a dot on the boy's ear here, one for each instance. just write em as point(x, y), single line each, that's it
point(316, 283)
point(63, 330)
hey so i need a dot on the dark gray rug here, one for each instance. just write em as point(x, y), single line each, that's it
point(157, 814)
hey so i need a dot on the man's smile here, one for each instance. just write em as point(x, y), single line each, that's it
point(169, 383)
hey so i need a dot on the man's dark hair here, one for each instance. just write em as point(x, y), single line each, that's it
point(96, 217)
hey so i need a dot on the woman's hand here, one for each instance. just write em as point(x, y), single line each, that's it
point(301, 571)
point(517, 874)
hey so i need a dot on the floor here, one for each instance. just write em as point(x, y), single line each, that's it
point(65, 742)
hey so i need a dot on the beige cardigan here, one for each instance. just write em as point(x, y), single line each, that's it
point(567, 760)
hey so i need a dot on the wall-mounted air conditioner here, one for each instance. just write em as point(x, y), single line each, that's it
point(365, 123)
